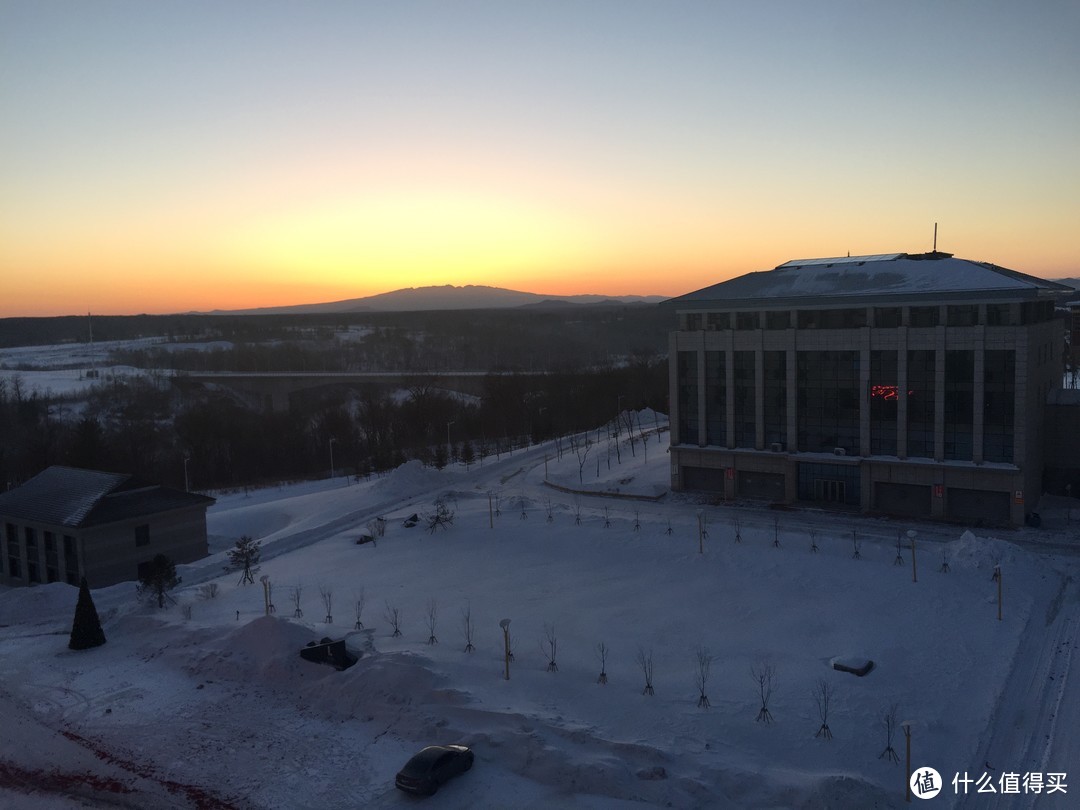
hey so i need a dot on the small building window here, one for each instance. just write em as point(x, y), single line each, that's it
point(747, 320)
point(886, 317)
point(142, 535)
point(778, 319)
point(923, 316)
point(963, 315)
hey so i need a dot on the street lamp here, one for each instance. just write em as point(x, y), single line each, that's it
point(914, 572)
point(332, 440)
point(505, 625)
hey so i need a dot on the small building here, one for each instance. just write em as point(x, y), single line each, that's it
point(66, 523)
point(900, 384)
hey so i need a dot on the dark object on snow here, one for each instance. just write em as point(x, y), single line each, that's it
point(860, 671)
point(365, 538)
point(1033, 520)
point(411, 521)
point(432, 767)
point(86, 629)
point(328, 652)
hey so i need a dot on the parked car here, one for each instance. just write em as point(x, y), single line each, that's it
point(432, 767)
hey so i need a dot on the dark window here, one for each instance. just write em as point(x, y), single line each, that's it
point(747, 320)
point(830, 483)
point(999, 405)
point(718, 320)
point(778, 320)
point(142, 535)
point(52, 559)
point(923, 316)
point(921, 384)
point(828, 401)
point(715, 399)
point(71, 560)
point(775, 398)
point(686, 372)
point(884, 401)
point(963, 315)
point(693, 322)
point(998, 315)
point(32, 572)
point(959, 404)
point(745, 400)
point(886, 317)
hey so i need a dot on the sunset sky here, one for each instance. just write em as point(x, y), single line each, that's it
point(170, 156)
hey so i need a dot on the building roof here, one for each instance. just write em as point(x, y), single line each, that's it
point(850, 280)
point(75, 498)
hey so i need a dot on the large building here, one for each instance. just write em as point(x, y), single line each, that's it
point(67, 523)
point(901, 384)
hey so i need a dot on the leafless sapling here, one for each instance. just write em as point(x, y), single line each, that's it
point(524, 508)
point(899, 559)
point(297, 591)
point(359, 599)
point(738, 531)
point(944, 563)
point(704, 664)
point(432, 617)
point(373, 532)
point(577, 512)
point(443, 517)
point(776, 532)
point(328, 600)
point(856, 545)
point(607, 520)
point(209, 590)
point(549, 645)
point(669, 531)
point(393, 616)
point(549, 508)
point(637, 520)
point(997, 569)
point(628, 420)
point(889, 721)
point(581, 450)
point(645, 661)
point(602, 651)
point(813, 542)
point(467, 627)
point(763, 674)
point(823, 694)
point(498, 503)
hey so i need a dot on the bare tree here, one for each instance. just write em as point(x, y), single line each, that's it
point(467, 626)
point(443, 517)
point(763, 674)
point(607, 520)
point(328, 600)
point(432, 616)
point(645, 661)
point(627, 417)
point(549, 646)
point(776, 532)
point(813, 542)
point(296, 593)
point(857, 553)
point(360, 599)
point(704, 664)
point(899, 557)
point(602, 651)
point(577, 512)
point(944, 563)
point(581, 450)
point(637, 520)
point(738, 532)
point(393, 616)
point(823, 693)
point(549, 508)
point(889, 721)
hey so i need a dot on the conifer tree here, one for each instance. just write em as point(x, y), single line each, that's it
point(86, 629)
point(158, 579)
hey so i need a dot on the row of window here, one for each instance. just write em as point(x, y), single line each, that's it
point(830, 401)
point(23, 554)
point(882, 317)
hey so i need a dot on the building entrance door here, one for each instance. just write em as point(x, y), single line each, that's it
point(830, 491)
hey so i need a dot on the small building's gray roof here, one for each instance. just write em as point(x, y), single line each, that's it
point(76, 498)
point(852, 279)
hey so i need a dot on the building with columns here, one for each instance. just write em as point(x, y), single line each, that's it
point(900, 384)
point(67, 523)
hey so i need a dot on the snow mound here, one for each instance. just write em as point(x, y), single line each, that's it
point(39, 603)
point(984, 552)
point(411, 478)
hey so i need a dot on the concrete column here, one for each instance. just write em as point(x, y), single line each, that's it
point(864, 392)
point(901, 392)
point(792, 375)
point(702, 433)
point(979, 395)
point(939, 395)
point(759, 396)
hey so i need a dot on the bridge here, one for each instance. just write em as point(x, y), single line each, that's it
point(272, 389)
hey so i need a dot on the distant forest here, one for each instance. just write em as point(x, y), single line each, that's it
point(599, 360)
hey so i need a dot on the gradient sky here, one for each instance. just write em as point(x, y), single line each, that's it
point(168, 156)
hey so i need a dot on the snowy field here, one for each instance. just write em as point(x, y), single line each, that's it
point(218, 710)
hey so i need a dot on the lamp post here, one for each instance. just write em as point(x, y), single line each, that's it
point(187, 486)
point(332, 440)
point(505, 625)
point(906, 726)
point(914, 573)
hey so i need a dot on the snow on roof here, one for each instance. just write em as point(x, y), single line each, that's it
point(888, 274)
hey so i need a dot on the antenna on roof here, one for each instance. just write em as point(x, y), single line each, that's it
point(935, 237)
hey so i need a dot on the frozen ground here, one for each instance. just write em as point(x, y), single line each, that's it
point(219, 710)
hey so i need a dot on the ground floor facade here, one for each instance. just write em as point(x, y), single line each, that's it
point(978, 495)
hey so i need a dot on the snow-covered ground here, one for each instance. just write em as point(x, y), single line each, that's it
point(218, 710)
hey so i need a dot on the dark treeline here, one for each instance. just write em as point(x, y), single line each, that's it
point(146, 426)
